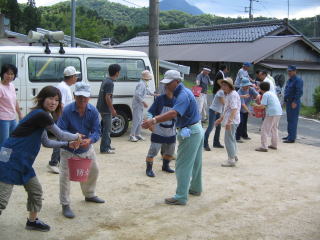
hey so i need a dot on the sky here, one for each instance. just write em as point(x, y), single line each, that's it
point(234, 8)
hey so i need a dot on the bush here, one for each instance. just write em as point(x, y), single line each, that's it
point(316, 99)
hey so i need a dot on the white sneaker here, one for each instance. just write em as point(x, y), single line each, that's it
point(229, 163)
point(53, 169)
point(133, 139)
point(139, 137)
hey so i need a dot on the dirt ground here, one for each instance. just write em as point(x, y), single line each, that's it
point(268, 196)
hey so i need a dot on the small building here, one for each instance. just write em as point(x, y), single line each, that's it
point(271, 45)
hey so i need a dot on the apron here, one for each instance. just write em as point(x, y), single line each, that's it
point(17, 156)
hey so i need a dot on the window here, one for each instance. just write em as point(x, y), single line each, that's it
point(50, 69)
point(7, 59)
point(130, 68)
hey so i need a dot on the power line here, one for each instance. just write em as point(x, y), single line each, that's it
point(137, 5)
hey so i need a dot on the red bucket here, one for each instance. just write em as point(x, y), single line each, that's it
point(259, 112)
point(79, 169)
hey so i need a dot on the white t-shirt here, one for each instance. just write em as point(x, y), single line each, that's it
point(232, 101)
point(270, 80)
point(216, 104)
point(65, 93)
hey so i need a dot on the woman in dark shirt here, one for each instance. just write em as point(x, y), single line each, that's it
point(20, 150)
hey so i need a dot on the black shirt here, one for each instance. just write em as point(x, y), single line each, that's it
point(38, 120)
point(106, 88)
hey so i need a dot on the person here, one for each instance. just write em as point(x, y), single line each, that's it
point(230, 118)
point(270, 124)
point(190, 137)
point(138, 103)
point(9, 105)
point(20, 150)
point(163, 134)
point(292, 97)
point(247, 94)
point(79, 116)
point(265, 77)
point(70, 78)
point(242, 73)
point(215, 110)
point(106, 109)
point(203, 80)
point(221, 74)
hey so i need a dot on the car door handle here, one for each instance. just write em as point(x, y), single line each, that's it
point(34, 92)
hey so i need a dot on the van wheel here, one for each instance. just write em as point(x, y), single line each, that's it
point(119, 124)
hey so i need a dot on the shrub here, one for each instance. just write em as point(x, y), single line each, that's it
point(316, 99)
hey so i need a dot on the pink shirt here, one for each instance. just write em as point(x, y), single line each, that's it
point(8, 100)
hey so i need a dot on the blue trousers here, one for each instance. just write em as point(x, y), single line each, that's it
point(242, 128)
point(213, 116)
point(6, 128)
point(105, 143)
point(189, 163)
point(292, 119)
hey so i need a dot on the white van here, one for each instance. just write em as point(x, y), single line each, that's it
point(36, 69)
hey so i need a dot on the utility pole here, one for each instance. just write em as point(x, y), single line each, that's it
point(154, 38)
point(288, 8)
point(250, 11)
point(73, 23)
point(316, 30)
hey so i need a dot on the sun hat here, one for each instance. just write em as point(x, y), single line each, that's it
point(228, 81)
point(70, 71)
point(82, 89)
point(245, 82)
point(146, 75)
point(171, 75)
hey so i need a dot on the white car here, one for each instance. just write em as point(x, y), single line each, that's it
point(37, 69)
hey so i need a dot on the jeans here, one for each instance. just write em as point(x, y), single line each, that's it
point(292, 119)
point(242, 128)
point(213, 116)
point(230, 142)
point(55, 157)
point(6, 128)
point(105, 144)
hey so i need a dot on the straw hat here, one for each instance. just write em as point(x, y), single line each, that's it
point(229, 81)
point(146, 75)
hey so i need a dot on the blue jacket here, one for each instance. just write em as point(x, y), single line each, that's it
point(294, 90)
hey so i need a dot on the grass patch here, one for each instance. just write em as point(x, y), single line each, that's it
point(309, 112)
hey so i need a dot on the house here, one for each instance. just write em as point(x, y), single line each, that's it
point(271, 45)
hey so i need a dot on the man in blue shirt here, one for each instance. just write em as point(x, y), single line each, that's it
point(190, 137)
point(79, 117)
point(292, 95)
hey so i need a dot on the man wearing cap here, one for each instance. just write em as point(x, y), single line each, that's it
point(247, 94)
point(70, 78)
point(106, 109)
point(203, 80)
point(190, 137)
point(82, 117)
point(292, 95)
point(242, 73)
point(138, 103)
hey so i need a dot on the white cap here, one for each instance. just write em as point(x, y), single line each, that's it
point(171, 75)
point(70, 71)
point(82, 89)
point(206, 69)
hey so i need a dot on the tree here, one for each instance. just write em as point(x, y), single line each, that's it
point(11, 10)
point(31, 16)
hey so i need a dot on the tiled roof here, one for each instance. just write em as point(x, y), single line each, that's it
point(225, 33)
point(316, 41)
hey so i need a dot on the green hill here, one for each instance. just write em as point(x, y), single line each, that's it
point(100, 18)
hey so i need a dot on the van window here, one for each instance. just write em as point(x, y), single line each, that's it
point(131, 69)
point(50, 69)
point(7, 59)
